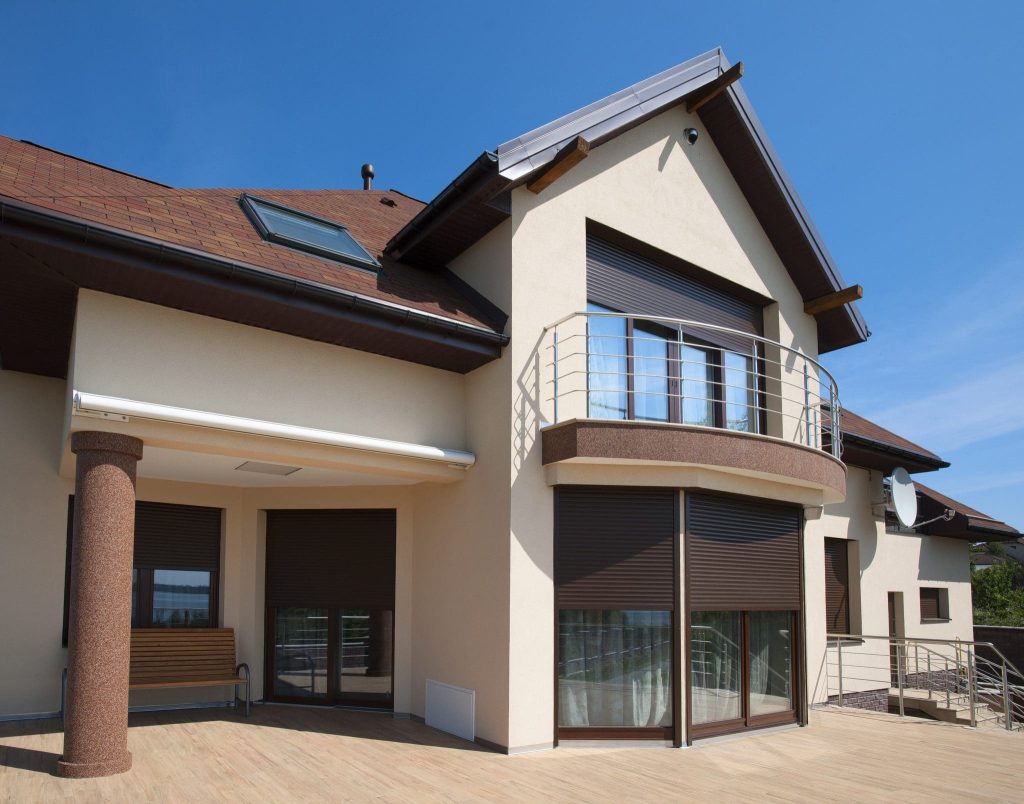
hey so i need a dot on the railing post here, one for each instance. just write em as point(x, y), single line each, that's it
point(972, 685)
point(554, 369)
point(945, 682)
point(839, 651)
point(899, 674)
point(807, 402)
point(1007, 703)
point(928, 656)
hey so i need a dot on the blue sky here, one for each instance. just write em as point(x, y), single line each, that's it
point(899, 123)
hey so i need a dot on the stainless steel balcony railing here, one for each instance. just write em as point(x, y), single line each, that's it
point(604, 365)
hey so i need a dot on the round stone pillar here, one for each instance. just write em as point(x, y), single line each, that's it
point(99, 631)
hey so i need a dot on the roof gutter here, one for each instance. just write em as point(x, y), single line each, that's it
point(481, 170)
point(207, 267)
point(881, 446)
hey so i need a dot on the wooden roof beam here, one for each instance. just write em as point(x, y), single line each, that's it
point(714, 88)
point(564, 161)
point(830, 301)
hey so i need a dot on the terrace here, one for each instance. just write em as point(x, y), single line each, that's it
point(287, 753)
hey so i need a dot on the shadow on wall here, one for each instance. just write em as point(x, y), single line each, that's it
point(945, 561)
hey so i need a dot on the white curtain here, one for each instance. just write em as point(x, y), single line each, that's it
point(615, 668)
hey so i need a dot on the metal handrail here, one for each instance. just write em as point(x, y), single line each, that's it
point(983, 682)
point(818, 411)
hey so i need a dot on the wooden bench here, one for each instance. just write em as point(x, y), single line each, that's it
point(186, 657)
point(162, 658)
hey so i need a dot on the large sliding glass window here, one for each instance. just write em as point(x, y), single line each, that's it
point(651, 355)
point(698, 375)
point(739, 392)
point(364, 644)
point(741, 669)
point(615, 669)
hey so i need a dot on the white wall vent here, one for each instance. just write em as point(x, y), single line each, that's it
point(451, 709)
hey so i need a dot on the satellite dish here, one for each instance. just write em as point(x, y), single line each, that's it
point(902, 496)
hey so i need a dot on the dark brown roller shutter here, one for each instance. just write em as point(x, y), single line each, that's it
point(930, 604)
point(635, 285)
point(837, 586)
point(177, 536)
point(615, 547)
point(331, 558)
point(741, 554)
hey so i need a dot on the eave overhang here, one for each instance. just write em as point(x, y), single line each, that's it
point(85, 254)
point(473, 204)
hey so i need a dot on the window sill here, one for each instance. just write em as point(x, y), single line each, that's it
point(935, 620)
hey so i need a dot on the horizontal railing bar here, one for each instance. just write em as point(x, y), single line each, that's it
point(698, 325)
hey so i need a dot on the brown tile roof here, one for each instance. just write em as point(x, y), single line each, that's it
point(859, 427)
point(976, 520)
point(211, 221)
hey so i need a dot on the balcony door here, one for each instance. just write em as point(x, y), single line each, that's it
point(330, 607)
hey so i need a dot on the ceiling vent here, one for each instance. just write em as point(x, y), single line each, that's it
point(267, 468)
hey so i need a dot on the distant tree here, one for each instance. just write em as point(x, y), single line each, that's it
point(998, 592)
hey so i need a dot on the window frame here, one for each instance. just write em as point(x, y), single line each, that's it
point(678, 338)
point(250, 205)
point(147, 589)
point(941, 603)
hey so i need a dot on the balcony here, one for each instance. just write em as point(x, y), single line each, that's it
point(665, 391)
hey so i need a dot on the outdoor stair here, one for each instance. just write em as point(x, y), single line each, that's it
point(958, 711)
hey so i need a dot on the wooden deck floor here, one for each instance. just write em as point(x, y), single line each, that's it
point(293, 754)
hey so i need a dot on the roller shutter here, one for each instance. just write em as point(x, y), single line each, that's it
point(615, 547)
point(331, 558)
point(635, 285)
point(185, 537)
point(742, 554)
point(837, 586)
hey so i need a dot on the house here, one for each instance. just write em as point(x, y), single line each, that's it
point(550, 457)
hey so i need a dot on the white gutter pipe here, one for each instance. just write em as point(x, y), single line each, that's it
point(108, 407)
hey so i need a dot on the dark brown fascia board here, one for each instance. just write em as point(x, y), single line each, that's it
point(205, 268)
point(599, 122)
point(459, 192)
point(931, 462)
point(565, 160)
point(795, 207)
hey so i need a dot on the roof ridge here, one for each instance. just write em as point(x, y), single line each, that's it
point(96, 164)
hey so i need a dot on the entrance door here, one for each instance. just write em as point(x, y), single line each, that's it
point(895, 630)
point(330, 607)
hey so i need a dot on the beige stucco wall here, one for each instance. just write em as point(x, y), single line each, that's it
point(681, 199)
point(135, 350)
point(880, 563)
point(33, 528)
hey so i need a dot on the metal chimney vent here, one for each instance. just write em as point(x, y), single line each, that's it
point(367, 173)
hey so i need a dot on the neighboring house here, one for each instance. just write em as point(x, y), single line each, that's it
point(550, 457)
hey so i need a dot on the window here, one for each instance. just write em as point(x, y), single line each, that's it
point(176, 565)
point(645, 371)
point(934, 603)
point(305, 232)
point(837, 586)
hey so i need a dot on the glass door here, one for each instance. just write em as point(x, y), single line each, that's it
point(332, 655)
point(364, 651)
point(300, 653)
point(741, 670)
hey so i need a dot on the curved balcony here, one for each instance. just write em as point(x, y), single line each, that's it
point(667, 390)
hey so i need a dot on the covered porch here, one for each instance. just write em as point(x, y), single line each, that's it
point(285, 753)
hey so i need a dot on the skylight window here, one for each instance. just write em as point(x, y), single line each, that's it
point(305, 232)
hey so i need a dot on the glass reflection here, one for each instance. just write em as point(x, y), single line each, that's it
point(770, 662)
point(606, 365)
point(716, 666)
point(300, 652)
point(181, 598)
point(614, 668)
